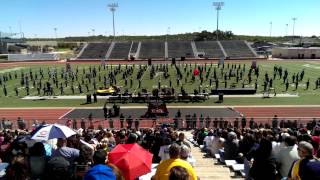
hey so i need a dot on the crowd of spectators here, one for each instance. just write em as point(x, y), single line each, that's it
point(84, 155)
point(267, 153)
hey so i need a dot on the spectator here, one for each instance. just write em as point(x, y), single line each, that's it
point(163, 169)
point(307, 167)
point(287, 156)
point(58, 168)
point(70, 154)
point(264, 165)
point(231, 147)
point(185, 154)
point(100, 170)
point(182, 140)
point(37, 160)
point(208, 142)
point(179, 173)
point(164, 149)
point(132, 138)
point(247, 147)
point(18, 168)
point(217, 143)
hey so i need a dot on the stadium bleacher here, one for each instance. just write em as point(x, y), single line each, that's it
point(95, 51)
point(34, 56)
point(120, 50)
point(134, 47)
point(177, 49)
point(237, 49)
point(152, 49)
point(210, 48)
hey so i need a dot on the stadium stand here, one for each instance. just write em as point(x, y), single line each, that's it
point(177, 49)
point(95, 51)
point(134, 47)
point(35, 56)
point(152, 49)
point(120, 50)
point(171, 49)
point(237, 49)
point(210, 48)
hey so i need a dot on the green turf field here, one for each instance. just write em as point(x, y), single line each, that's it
point(306, 97)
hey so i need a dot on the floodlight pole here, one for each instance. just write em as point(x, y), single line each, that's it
point(218, 6)
point(270, 28)
point(55, 32)
point(93, 32)
point(113, 7)
point(294, 23)
point(10, 29)
point(168, 31)
point(287, 29)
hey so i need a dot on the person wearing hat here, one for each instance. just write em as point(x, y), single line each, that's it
point(99, 169)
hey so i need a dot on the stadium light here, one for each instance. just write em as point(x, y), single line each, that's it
point(55, 32)
point(270, 28)
point(113, 7)
point(294, 23)
point(93, 32)
point(10, 30)
point(218, 6)
point(168, 32)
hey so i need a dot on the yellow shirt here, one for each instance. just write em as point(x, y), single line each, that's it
point(163, 169)
point(295, 171)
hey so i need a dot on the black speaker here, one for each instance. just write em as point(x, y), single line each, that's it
point(183, 58)
point(173, 61)
point(221, 97)
point(89, 99)
point(149, 62)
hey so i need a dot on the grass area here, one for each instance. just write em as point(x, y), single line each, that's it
point(306, 97)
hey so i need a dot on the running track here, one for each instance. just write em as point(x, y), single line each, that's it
point(51, 115)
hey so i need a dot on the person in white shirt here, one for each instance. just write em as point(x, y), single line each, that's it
point(217, 143)
point(164, 149)
point(208, 142)
point(287, 156)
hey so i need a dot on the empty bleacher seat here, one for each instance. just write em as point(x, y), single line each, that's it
point(178, 49)
point(210, 48)
point(95, 51)
point(152, 49)
point(120, 50)
point(237, 49)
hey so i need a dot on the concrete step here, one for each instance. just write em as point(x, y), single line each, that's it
point(206, 168)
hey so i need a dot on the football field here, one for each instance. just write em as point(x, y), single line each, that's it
point(18, 81)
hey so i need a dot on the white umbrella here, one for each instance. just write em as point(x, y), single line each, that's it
point(52, 131)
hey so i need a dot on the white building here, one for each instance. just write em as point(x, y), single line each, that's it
point(296, 52)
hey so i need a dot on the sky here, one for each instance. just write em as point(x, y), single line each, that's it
point(38, 18)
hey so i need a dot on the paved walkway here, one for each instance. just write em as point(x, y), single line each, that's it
point(207, 168)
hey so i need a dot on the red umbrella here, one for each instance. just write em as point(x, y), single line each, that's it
point(132, 159)
point(196, 71)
